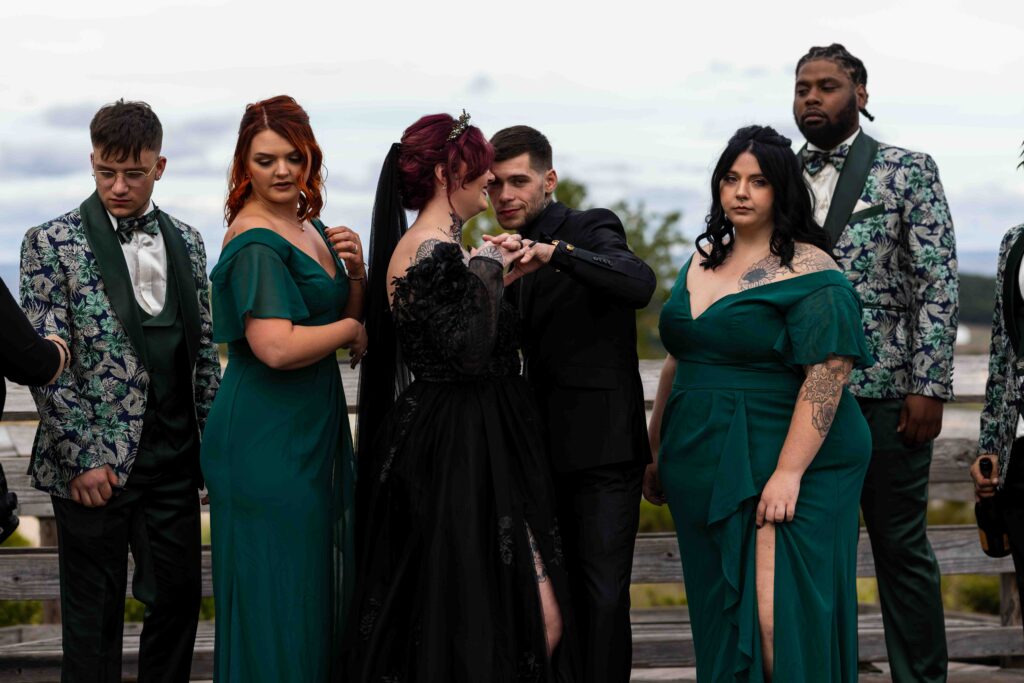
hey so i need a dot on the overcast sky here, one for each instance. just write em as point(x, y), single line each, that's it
point(638, 102)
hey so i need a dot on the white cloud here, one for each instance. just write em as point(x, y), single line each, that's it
point(638, 101)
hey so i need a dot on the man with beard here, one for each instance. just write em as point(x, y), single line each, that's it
point(885, 215)
point(580, 289)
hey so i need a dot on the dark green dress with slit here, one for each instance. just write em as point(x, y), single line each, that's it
point(277, 457)
point(740, 368)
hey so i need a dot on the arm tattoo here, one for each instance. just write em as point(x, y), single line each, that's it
point(538, 561)
point(490, 251)
point(823, 389)
point(425, 250)
point(456, 227)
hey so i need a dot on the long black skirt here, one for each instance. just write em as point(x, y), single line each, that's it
point(446, 585)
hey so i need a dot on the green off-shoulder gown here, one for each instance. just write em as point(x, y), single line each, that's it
point(277, 457)
point(740, 368)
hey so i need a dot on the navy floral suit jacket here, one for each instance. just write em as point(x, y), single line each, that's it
point(898, 250)
point(71, 286)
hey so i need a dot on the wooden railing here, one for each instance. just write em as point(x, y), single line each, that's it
point(661, 637)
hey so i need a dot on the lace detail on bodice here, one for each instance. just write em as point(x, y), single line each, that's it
point(451, 320)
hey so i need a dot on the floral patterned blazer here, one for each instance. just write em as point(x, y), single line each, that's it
point(1002, 389)
point(74, 283)
point(892, 234)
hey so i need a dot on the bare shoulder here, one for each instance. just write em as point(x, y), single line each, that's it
point(415, 246)
point(244, 222)
point(808, 258)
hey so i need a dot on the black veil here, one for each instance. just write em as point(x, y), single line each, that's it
point(383, 376)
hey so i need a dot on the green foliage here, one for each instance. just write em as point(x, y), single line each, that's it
point(653, 237)
point(14, 612)
point(643, 595)
point(950, 512)
point(971, 593)
point(16, 540)
point(654, 518)
point(977, 299)
point(17, 612)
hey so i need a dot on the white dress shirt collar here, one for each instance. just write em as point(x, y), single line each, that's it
point(113, 219)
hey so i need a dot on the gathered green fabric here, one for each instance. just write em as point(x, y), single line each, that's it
point(826, 322)
point(740, 369)
point(278, 461)
point(252, 278)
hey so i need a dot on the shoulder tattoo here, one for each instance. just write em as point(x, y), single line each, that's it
point(761, 272)
point(808, 259)
point(425, 250)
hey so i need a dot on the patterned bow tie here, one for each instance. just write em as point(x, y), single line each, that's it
point(815, 160)
point(147, 223)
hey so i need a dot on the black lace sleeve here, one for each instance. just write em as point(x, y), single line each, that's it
point(447, 312)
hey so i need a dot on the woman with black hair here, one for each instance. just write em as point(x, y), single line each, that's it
point(760, 451)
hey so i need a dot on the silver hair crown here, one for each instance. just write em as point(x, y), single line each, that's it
point(460, 126)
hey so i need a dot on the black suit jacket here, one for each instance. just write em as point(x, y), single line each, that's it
point(579, 338)
point(25, 357)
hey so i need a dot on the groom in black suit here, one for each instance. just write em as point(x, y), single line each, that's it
point(578, 290)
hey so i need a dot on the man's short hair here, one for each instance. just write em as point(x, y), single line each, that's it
point(124, 129)
point(511, 142)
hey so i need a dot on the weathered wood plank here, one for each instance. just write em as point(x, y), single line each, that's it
point(949, 478)
point(665, 640)
point(956, 547)
point(968, 380)
point(33, 574)
point(661, 638)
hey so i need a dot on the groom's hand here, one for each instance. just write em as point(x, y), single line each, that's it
point(94, 488)
point(536, 254)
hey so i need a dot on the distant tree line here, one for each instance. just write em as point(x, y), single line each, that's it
point(977, 299)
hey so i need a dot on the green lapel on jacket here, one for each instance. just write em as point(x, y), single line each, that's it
point(1013, 307)
point(107, 249)
point(850, 186)
point(188, 300)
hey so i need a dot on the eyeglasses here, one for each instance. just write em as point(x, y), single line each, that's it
point(131, 178)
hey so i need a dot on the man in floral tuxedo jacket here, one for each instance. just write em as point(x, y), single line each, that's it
point(885, 215)
point(1001, 426)
point(118, 441)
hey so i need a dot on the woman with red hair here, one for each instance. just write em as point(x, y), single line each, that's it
point(277, 453)
point(460, 570)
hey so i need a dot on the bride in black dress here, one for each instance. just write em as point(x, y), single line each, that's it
point(460, 569)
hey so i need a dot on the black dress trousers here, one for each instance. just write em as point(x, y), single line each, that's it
point(599, 514)
point(160, 523)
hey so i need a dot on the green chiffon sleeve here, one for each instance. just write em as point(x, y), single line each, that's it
point(826, 322)
point(253, 280)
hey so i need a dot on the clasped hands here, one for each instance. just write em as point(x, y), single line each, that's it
point(523, 255)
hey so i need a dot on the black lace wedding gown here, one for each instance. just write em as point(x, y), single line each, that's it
point(447, 590)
